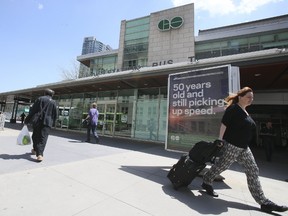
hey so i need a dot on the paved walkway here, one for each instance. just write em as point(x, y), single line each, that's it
point(119, 177)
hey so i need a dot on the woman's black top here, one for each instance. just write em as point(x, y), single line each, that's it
point(240, 127)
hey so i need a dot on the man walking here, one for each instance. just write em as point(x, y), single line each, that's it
point(45, 107)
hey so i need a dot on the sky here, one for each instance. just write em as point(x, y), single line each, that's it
point(39, 39)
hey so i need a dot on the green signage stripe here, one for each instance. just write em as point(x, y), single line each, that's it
point(176, 22)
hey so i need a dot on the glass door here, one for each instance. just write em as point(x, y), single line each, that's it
point(107, 117)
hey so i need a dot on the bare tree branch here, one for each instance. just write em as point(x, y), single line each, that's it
point(72, 73)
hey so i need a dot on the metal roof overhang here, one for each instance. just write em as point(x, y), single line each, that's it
point(265, 70)
point(85, 59)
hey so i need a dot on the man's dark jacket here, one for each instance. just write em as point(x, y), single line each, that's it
point(48, 115)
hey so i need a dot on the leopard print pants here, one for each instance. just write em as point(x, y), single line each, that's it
point(245, 158)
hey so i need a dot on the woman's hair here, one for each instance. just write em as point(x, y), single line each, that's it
point(94, 105)
point(234, 98)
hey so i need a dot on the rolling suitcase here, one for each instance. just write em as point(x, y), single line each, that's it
point(190, 165)
point(203, 152)
point(184, 171)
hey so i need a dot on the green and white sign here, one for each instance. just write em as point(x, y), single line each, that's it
point(174, 23)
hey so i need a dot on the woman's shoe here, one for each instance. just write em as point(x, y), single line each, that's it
point(270, 206)
point(209, 189)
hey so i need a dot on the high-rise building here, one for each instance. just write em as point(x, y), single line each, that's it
point(91, 45)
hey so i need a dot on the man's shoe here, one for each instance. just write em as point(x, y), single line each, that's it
point(39, 158)
point(270, 206)
point(209, 189)
point(33, 152)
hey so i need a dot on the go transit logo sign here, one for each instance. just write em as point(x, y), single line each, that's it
point(174, 23)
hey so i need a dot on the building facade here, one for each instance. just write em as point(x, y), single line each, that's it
point(129, 84)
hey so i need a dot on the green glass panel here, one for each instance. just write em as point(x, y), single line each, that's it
point(137, 22)
point(266, 38)
point(135, 29)
point(136, 36)
point(253, 40)
point(136, 41)
point(283, 36)
point(203, 47)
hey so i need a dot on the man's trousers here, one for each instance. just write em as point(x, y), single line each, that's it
point(39, 137)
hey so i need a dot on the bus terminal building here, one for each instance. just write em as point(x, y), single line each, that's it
point(130, 84)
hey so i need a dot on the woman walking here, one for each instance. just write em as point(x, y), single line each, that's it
point(237, 131)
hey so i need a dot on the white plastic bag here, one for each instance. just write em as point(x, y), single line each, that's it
point(24, 136)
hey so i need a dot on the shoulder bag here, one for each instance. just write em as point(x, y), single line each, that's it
point(37, 117)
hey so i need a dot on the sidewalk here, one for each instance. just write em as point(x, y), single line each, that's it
point(119, 177)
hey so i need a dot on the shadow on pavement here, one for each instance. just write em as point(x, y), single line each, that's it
point(26, 156)
point(204, 204)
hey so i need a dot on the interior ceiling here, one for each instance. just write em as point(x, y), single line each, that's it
point(273, 76)
point(259, 76)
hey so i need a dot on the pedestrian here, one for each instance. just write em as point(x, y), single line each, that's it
point(92, 118)
point(268, 136)
point(47, 108)
point(237, 131)
point(151, 128)
point(22, 116)
point(2, 120)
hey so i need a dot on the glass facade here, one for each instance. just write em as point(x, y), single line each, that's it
point(63, 106)
point(133, 113)
point(136, 43)
point(147, 113)
point(103, 65)
point(224, 47)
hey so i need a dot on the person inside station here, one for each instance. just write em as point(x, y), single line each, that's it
point(22, 116)
point(267, 134)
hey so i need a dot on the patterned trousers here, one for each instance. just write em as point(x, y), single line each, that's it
point(245, 158)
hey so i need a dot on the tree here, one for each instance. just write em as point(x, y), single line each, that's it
point(72, 73)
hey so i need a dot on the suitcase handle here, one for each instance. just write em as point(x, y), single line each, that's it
point(219, 142)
